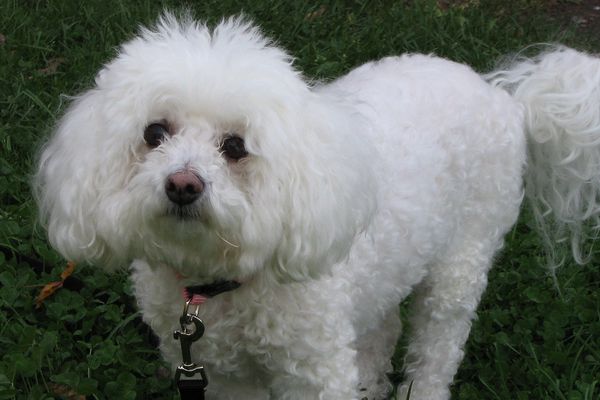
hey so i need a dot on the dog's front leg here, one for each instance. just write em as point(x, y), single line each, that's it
point(303, 339)
point(324, 374)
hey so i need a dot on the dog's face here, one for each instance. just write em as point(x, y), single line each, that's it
point(207, 152)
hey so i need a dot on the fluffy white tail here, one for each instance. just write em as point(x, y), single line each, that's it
point(560, 90)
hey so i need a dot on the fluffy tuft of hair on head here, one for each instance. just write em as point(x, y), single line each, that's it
point(182, 24)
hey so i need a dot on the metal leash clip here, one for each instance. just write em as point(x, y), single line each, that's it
point(190, 388)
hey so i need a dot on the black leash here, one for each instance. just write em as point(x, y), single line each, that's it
point(191, 389)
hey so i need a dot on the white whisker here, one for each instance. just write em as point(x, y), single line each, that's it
point(227, 241)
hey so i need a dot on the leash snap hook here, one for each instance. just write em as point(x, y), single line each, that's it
point(187, 337)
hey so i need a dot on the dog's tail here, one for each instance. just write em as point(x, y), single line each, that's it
point(560, 91)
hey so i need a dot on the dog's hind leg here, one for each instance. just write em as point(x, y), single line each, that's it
point(444, 305)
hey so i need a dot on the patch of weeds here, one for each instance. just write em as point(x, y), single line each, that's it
point(88, 341)
point(532, 327)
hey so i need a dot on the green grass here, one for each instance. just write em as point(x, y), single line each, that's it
point(534, 338)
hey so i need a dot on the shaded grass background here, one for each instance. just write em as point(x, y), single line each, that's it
point(534, 339)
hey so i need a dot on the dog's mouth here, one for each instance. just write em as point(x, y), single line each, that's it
point(186, 213)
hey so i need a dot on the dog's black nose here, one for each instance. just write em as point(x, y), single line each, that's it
point(183, 187)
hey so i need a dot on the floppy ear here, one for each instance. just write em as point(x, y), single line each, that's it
point(74, 175)
point(328, 187)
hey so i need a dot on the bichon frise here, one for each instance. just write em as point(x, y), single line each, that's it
point(204, 159)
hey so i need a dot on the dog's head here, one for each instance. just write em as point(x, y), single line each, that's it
point(206, 151)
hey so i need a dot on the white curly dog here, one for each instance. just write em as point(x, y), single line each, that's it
point(202, 157)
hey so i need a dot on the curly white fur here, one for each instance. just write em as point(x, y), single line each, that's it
point(404, 175)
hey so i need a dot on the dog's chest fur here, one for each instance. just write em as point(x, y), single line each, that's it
point(248, 330)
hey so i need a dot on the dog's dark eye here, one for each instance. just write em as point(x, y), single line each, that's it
point(154, 134)
point(233, 147)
